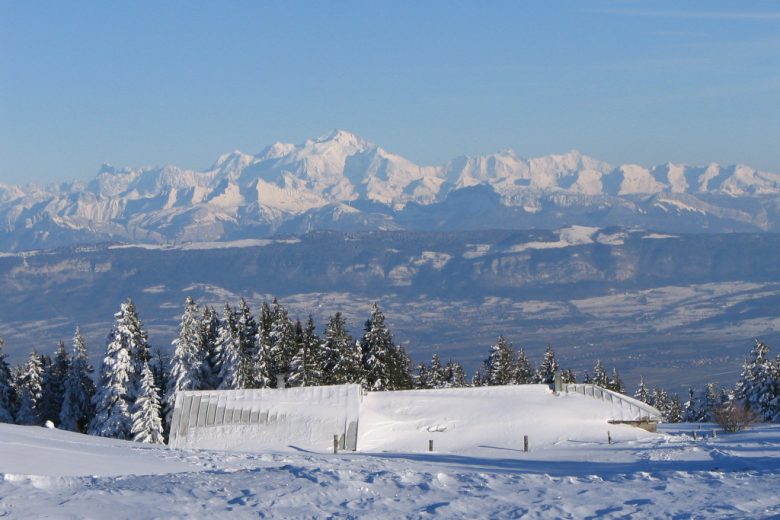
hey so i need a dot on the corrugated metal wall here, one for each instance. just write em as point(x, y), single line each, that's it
point(305, 418)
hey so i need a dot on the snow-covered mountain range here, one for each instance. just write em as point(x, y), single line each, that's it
point(343, 182)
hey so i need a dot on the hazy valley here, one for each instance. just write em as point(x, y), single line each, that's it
point(677, 308)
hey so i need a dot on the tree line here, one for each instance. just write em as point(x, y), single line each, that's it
point(136, 389)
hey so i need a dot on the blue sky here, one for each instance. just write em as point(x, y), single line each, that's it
point(137, 83)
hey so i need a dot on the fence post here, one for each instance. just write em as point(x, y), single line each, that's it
point(609, 437)
point(335, 444)
point(430, 445)
point(525, 443)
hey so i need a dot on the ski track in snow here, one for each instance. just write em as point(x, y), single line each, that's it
point(668, 476)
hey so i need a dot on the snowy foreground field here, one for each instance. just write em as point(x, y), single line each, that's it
point(55, 474)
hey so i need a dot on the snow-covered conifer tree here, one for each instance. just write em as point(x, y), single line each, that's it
point(691, 408)
point(662, 402)
point(188, 355)
point(478, 378)
point(77, 409)
point(228, 350)
point(54, 386)
point(400, 370)
point(615, 383)
point(283, 344)
point(263, 369)
point(711, 401)
point(7, 393)
point(642, 393)
point(30, 391)
point(377, 352)
point(756, 386)
point(305, 367)
point(340, 354)
point(673, 412)
point(114, 395)
point(568, 377)
point(547, 368)
point(147, 424)
point(500, 365)
point(421, 380)
point(209, 327)
point(246, 328)
point(130, 327)
point(524, 371)
point(456, 376)
point(600, 377)
point(436, 376)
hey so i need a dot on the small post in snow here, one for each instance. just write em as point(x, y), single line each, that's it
point(430, 445)
point(714, 434)
point(609, 437)
point(525, 443)
point(335, 444)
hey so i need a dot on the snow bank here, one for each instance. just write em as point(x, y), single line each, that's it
point(28, 450)
point(669, 475)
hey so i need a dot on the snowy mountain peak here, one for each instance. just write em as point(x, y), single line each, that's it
point(106, 168)
point(345, 139)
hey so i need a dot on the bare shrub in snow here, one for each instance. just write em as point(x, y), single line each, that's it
point(734, 417)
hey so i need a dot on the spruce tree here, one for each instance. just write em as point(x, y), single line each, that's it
point(500, 365)
point(400, 370)
point(7, 392)
point(600, 377)
point(756, 386)
point(456, 376)
point(478, 378)
point(662, 402)
point(436, 375)
point(246, 328)
point(339, 353)
point(524, 371)
point(209, 328)
point(422, 380)
point(615, 383)
point(283, 344)
point(77, 409)
point(129, 325)
point(674, 410)
point(642, 394)
point(549, 366)
point(711, 401)
point(30, 391)
point(54, 386)
point(228, 345)
point(568, 377)
point(772, 399)
point(305, 367)
point(147, 425)
point(115, 394)
point(263, 366)
point(691, 410)
point(188, 356)
point(378, 353)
